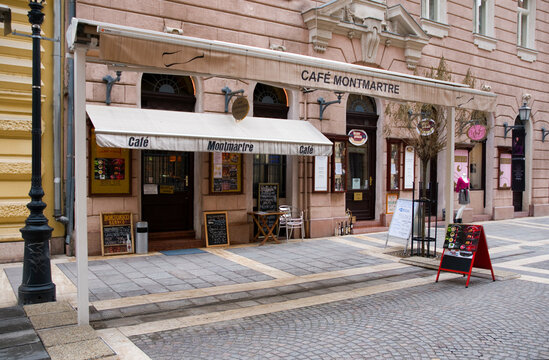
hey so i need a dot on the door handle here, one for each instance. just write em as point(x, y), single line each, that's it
point(371, 181)
point(186, 180)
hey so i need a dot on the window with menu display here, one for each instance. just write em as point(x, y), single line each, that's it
point(339, 162)
point(394, 152)
point(226, 173)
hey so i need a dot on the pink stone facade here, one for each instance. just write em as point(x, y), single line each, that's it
point(281, 25)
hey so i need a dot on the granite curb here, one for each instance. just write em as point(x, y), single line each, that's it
point(433, 264)
point(63, 339)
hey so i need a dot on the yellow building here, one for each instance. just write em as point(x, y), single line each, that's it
point(15, 128)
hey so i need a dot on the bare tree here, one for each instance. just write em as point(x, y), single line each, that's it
point(423, 126)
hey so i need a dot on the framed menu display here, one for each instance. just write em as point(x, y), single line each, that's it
point(117, 233)
point(339, 162)
point(225, 173)
point(320, 179)
point(409, 164)
point(217, 230)
point(504, 171)
point(110, 169)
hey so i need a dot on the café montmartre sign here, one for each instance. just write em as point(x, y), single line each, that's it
point(350, 82)
point(235, 61)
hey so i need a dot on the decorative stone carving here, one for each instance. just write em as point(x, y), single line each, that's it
point(371, 21)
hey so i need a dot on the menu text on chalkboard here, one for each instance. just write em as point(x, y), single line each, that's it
point(117, 233)
point(267, 200)
point(267, 197)
point(217, 230)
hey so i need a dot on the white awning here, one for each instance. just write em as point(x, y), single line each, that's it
point(135, 49)
point(134, 128)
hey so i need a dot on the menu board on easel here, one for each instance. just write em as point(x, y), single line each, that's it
point(267, 200)
point(117, 233)
point(217, 230)
point(465, 247)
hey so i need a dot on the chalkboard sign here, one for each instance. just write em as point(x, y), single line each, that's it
point(401, 223)
point(117, 233)
point(217, 230)
point(465, 247)
point(267, 200)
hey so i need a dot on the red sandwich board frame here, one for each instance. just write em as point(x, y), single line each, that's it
point(454, 261)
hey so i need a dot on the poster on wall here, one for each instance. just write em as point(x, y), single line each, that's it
point(409, 157)
point(391, 202)
point(461, 163)
point(504, 178)
point(109, 169)
point(321, 174)
point(225, 173)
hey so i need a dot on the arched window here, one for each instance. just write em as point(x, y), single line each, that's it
point(167, 92)
point(361, 104)
point(270, 102)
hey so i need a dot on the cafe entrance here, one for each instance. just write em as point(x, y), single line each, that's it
point(167, 197)
point(361, 159)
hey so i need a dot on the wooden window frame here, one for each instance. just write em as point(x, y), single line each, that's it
point(503, 150)
point(343, 139)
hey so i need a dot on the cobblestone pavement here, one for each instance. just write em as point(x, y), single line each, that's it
point(501, 320)
point(332, 298)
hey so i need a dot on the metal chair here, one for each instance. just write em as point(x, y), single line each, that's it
point(295, 221)
point(283, 219)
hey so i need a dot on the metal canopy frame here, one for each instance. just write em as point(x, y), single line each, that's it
point(83, 38)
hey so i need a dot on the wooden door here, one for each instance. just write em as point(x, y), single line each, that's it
point(361, 165)
point(167, 191)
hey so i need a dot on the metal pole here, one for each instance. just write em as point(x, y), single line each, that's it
point(36, 286)
point(81, 211)
point(450, 145)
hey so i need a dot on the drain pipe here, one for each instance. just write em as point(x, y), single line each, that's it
point(58, 18)
point(69, 187)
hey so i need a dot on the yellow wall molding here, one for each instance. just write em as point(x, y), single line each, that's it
point(15, 128)
point(15, 170)
point(13, 211)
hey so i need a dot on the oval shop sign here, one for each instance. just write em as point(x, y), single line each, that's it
point(426, 127)
point(477, 132)
point(357, 137)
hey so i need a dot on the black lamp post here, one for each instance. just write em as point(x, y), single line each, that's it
point(36, 286)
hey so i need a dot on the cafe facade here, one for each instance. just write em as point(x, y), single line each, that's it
point(313, 81)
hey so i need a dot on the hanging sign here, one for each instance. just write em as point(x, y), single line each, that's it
point(477, 132)
point(426, 127)
point(357, 137)
point(240, 108)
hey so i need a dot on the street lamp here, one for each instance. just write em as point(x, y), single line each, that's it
point(524, 113)
point(36, 286)
point(524, 116)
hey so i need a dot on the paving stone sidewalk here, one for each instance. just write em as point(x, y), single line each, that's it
point(48, 331)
